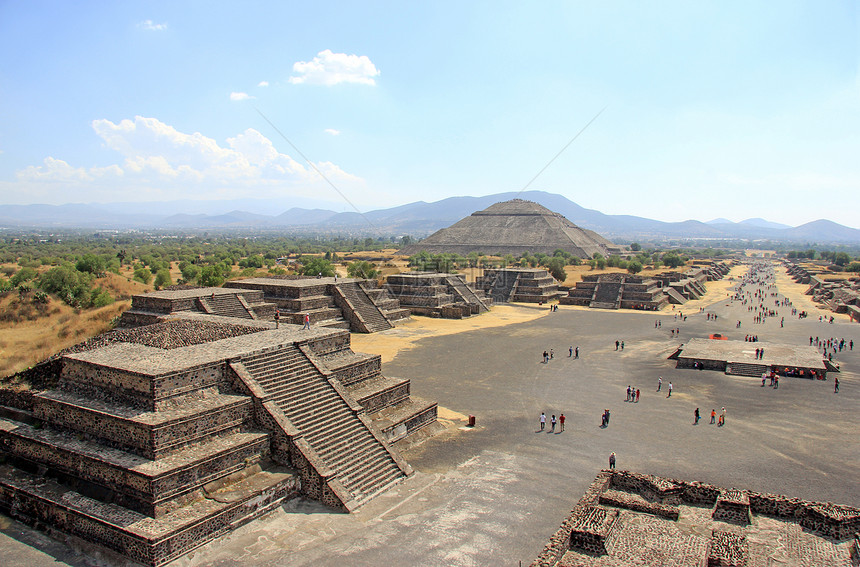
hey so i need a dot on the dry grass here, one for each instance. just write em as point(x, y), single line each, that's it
point(25, 341)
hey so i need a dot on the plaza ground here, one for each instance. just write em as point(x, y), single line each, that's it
point(493, 495)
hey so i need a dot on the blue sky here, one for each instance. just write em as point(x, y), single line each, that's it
point(712, 109)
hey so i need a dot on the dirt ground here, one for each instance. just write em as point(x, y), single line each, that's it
point(406, 334)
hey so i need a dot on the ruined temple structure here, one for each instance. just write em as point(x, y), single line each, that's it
point(739, 358)
point(617, 291)
point(526, 285)
point(437, 295)
point(348, 303)
point(514, 227)
point(152, 440)
point(343, 303)
point(626, 519)
point(839, 295)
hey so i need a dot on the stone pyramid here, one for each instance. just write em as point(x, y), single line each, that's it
point(514, 227)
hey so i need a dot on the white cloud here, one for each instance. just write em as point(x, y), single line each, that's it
point(159, 161)
point(240, 96)
point(149, 25)
point(332, 131)
point(329, 68)
point(263, 84)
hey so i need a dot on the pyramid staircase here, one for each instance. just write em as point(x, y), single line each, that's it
point(746, 369)
point(359, 308)
point(226, 305)
point(466, 294)
point(356, 463)
point(607, 295)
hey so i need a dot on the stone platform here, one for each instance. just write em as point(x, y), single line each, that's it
point(158, 438)
point(621, 521)
point(738, 357)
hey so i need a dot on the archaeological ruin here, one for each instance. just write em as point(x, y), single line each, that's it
point(740, 358)
point(437, 295)
point(199, 416)
point(836, 294)
point(626, 519)
point(514, 227)
point(525, 285)
point(337, 303)
point(648, 293)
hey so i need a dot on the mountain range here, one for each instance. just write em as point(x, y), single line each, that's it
point(416, 219)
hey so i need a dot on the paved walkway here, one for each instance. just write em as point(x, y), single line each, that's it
point(493, 495)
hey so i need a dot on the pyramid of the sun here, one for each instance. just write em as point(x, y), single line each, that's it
point(514, 227)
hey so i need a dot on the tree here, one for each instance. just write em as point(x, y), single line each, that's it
point(636, 247)
point(853, 267)
point(142, 275)
point(634, 267)
point(362, 269)
point(841, 258)
point(91, 264)
point(672, 259)
point(318, 266)
point(162, 278)
point(556, 268)
point(23, 275)
point(210, 276)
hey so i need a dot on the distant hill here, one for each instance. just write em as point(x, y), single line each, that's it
point(418, 219)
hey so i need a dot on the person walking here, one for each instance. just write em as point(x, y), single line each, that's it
point(836, 385)
point(696, 415)
point(570, 352)
point(616, 344)
point(561, 422)
point(659, 383)
point(713, 416)
point(670, 391)
point(277, 318)
point(576, 352)
point(307, 321)
point(637, 395)
point(552, 421)
point(612, 460)
point(542, 421)
point(722, 417)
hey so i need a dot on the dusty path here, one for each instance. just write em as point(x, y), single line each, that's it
point(796, 292)
point(389, 344)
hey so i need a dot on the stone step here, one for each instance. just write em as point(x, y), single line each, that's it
point(147, 484)
point(149, 434)
point(37, 500)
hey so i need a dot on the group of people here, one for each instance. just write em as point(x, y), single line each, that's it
point(552, 422)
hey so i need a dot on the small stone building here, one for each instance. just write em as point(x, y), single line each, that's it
point(437, 295)
point(617, 291)
point(152, 440)
point(526, 285)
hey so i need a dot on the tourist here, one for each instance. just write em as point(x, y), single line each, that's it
point(835, 385)
point(561, 423)
point(628, 393)
point(542, 421)
point(277, 318)
point(616, 344)
point(622, 345)
point(307, 321)
point(570, 352)
point(696, 415)
point(612, 460)
point(552, 424)
point(545, 357)
point(713, 416)
point(576, 352)
point(659, 383)
point(722, 416)
point(637, 395)
point(551, 354)
point(670, 390)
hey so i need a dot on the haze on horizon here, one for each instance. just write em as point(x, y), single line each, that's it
point(713, 109)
